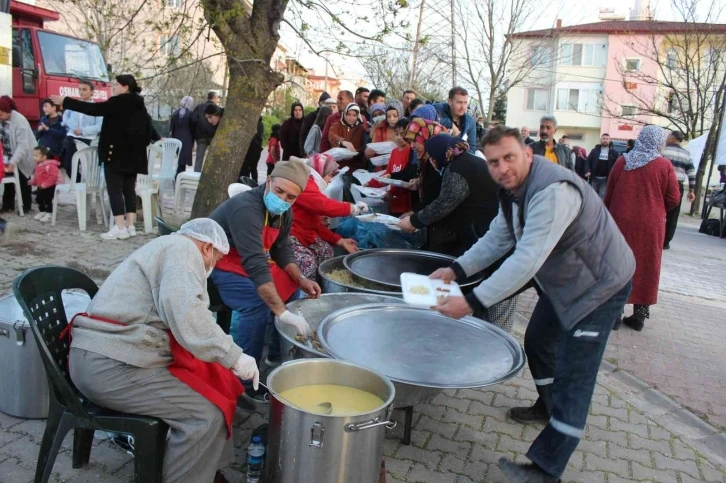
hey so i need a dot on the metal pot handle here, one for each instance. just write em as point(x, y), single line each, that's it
point(373, 423)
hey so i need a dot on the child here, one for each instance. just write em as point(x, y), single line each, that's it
point(273, 148)
point(44, 179)
point(50, 131)
point(402, 167)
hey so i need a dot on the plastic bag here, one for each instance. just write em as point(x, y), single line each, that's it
point(385, 147)
point(340, 154)
point(381, 160)
point(377, 235)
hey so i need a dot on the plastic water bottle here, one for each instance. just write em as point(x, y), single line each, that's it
point(255, 459)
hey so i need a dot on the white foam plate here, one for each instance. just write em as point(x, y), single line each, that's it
point(372, 192)
point(388, 220)
point(393, 182)
point(435, 288)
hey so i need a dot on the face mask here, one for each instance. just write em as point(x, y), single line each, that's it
point(274, 204)
point(378, 119)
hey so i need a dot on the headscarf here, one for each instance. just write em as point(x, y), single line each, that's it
point(443, 148)
point(321, 165)
point(292, 112)
point(351, 107)
point(650, 142)
point(186, 103)
point(395, 105)
point(579, 151)
point(377, 107)
point(422, 130)
point(427, 111)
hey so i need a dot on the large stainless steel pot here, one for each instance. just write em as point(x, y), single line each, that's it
point(315, 310)
point(305, 447)
point(332, 286)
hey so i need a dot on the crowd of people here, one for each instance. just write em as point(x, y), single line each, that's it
point(586, 231)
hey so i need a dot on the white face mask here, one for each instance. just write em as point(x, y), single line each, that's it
point(210, 270)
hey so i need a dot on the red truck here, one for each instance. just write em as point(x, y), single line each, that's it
point(45, 63)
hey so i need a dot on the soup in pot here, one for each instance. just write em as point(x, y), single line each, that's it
point(345, 400)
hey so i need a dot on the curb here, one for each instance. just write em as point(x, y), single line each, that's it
point(672, 416)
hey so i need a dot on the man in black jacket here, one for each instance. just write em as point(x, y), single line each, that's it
point(203, 130)
point(309, 120)
point(600, 162)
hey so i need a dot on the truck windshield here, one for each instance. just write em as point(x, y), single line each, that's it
point(73, 57)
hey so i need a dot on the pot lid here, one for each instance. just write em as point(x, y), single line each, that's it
point(385, 265)
point(421, 347)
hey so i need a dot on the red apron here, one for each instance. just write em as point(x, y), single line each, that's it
point(211, 380)
point(232, 262)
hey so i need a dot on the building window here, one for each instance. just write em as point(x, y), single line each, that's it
point(169, 44)
point(575, 136)
point(579, 100)
point(715, 59)
point(671, 102)
point(541, 56)
point(632, 65)
point(175, 3)
point(629, 111)
point(584, 54)
point(537, 99)
point(671, 59)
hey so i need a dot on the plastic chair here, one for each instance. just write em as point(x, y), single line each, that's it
point(92, 183)
point(237, 188)
point(171, 148)
point(186, 181)
point(15, 179)
point(38, 292)
point(146, 188)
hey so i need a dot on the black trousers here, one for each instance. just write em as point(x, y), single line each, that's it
point(44, 198)
point(121, 192)
point(672, 218)
point(25, 193)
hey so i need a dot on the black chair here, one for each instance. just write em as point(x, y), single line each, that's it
point(248, 181)
point(164, 229)
point(38, 292)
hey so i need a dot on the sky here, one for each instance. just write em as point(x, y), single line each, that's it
point(578, 12)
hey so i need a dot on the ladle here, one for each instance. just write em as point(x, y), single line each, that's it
point(323, 407)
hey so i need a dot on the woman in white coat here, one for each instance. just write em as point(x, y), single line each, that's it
point(18, 142)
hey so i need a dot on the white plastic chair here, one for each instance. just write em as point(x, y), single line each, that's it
point(146, 188)
point(186, 181)
point(237, 188)
point(171, 148)
point(91, 185)
point(15, 179)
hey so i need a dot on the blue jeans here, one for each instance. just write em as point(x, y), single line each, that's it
point(251, 317)
point(564, 365)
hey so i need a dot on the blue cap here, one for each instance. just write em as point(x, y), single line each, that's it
point(256, 439)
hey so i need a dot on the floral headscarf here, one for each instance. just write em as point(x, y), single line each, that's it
point(443, 148)
point(351, 107)
point(421, 130)
point(427, 112)
point(395, 105)
point(650, 142)
point(323, 164)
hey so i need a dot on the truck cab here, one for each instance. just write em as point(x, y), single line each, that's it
point(46, 63)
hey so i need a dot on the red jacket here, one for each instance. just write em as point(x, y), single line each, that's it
point(46, 174)
point(399, 198)
point(307, 211)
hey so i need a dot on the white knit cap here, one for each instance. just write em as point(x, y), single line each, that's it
point(206, 230)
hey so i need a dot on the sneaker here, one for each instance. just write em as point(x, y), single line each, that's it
point(527, 473)
point(115, 234)
point(46, 217)
point(132, 230)
point(39, 216)
point(526, 415)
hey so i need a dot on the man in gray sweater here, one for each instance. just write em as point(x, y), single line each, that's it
point(122, 347)
point(566, 242)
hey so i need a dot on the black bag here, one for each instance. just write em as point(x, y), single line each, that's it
point(712, 228)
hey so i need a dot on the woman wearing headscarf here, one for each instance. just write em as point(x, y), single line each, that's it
point(312, 242)
point(582, 168)
point(385, 129)
point(642, 186)
point(181, 129)
point(18, 142)
point(290, 132)
point(426, 112)
point(315, 136)
point(349, 133)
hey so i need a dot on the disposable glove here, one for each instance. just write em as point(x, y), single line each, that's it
point(246, 368)
point(297, 321)
point(360, 207)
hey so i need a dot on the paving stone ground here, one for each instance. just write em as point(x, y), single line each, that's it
point(460, 434)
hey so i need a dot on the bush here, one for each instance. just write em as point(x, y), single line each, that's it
point(268, 121)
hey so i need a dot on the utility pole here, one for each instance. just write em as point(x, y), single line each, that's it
point(416, 44)
point(453, 46)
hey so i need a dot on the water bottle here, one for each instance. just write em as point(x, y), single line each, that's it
point(255, 459)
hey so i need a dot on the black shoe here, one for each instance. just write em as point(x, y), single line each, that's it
point(530, 473)
point(618, 323)
point(634, 322)
point(667, 246)
point(528, 415)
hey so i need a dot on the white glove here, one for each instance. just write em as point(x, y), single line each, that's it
point(360, 207)
point(297, 321)
point(246, 368)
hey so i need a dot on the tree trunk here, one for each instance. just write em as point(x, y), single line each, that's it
point(250, 84)
point(708, 152)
